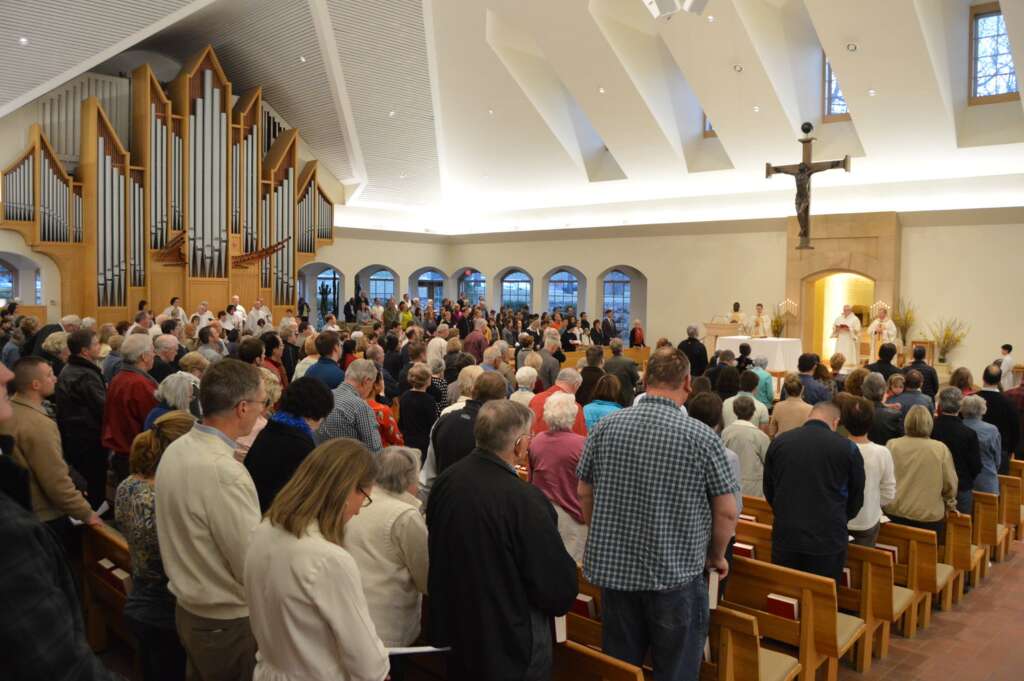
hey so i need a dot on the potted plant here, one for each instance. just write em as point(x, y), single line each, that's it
point(778, 324)
point(903, 316)
point(948, 334)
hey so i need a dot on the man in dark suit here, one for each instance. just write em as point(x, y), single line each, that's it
point(695, 351)
point(608, 327)
point(814, 480)
point(884, 364)
point(962, 443)
point(1000, 413)
point(499, 569)
point(930, 384)
point(591, 374)
point(888, 424)
point(624, 369)
point(69, 323)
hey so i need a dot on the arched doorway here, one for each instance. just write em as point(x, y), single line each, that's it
point(824, 295)
point(323, 288)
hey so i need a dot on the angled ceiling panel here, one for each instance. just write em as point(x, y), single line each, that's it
point(65, 39)
point(383, 51)
point(262, 43)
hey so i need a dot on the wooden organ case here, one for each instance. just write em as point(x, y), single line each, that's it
point(207, 203)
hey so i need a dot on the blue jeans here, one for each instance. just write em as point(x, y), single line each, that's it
point(965, 501)
point(673, 624)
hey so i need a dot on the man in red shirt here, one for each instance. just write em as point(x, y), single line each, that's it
point(568, 381)
point(1016, 398)
point(475, 343)
point(129, 400)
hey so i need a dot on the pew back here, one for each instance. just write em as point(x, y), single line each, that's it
point(986, 519)
point(759, 508)
point(915, 565)
point(575, 662)
point(104, 597)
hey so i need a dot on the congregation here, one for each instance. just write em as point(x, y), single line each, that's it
point(327, 485)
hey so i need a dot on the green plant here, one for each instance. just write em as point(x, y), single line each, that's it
point(778, 325)
point(948, 334)
point(903, 316)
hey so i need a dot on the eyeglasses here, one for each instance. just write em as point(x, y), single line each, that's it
point(366, 497)
point(265, 402)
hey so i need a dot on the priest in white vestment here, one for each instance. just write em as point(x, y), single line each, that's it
point(761, 324)
point(881, 331)
point(846, 331)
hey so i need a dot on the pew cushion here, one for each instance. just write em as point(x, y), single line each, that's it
point(943, 573)
point(774, 666)
point(902, 597)
point(848, 628)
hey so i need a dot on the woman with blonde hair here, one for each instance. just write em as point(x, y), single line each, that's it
point(194, 363)
point(311, 358)
point(149, 610)
point(306, 604)
point(272, 385)
point(55, 351)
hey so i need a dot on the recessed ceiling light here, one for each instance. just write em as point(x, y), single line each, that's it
point(391, 114)
point(23, 40)
point(600, 90)
point(738, 68)
point(711, 18)
point(851, 47)
point(490, 112)
point(872, 93)
point(757, 109)
point(302, 59)
point(402, 176)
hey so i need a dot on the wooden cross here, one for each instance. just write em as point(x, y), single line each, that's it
point(802, 173)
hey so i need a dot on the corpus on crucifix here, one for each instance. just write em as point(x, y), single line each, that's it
point(802, 173)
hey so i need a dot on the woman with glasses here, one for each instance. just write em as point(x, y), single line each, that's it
point(305, 594)
point(388, 541)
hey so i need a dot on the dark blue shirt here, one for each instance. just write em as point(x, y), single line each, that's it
point(328, 371)
point(814, 391)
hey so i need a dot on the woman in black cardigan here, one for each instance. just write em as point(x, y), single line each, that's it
point(288, 437)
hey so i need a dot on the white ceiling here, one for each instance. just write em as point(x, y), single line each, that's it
point(465, 116)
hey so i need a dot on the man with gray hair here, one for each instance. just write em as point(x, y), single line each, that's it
point(352, 416)
point(887, 424)
point(989, 451)
point(494, 540)
point(165, 362)
point(695, 351)
point(624, 369)
point(765, 393)
point(208, 510)
point(658, 494)
point(438, 345)
point(550, 365)
point(963, 438)
point(567, 381)
point(129, 400)
point(68, 323)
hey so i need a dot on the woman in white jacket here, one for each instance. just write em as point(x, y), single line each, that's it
point(306, 603)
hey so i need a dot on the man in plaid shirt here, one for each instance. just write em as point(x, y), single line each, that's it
point(657, 492)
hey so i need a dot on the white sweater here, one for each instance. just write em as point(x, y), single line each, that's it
point(208, 509)
point(388, 541)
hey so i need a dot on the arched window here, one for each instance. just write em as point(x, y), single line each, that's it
point(6, 283)
point(563, 291)
point(328, 294)
point(617, 299)
point(382, 285)
point(430, 286)
point(516, 290)
point(472, 286)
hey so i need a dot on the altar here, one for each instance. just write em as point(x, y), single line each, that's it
point(782, 353)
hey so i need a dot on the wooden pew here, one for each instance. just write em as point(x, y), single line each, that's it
point(962, 553)
point(638, 355)
point(988, 531)
point(103, 597)
point(917, 568)
point(575, 662)
point(736, 653)
point(822, 634)
point(1009, 505)
point(871, 595)
point(759, 508)
point(1017, 470)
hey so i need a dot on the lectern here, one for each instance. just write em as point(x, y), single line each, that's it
point(712, 330)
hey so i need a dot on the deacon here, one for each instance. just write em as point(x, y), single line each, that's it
point(760, 325)
point(882, 331)
point(846, 331)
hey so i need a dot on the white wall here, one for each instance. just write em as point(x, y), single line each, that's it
point(972, 272)
point(12, 242)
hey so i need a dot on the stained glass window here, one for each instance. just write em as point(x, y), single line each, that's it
point(993, 72)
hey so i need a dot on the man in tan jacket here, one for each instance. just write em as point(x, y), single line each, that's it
point(37, 447)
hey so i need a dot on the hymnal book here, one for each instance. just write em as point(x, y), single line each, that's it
point(713, 579)
point(123, 579)
point(845, 579)
point(748, 518)
point(584, 607)
point(741, 549)
point(782, 606)
point(560, 633)
point(106, 564)
point(894, 550)
point(416, 650)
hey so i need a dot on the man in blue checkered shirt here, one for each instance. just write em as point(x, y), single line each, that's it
point(657, 492)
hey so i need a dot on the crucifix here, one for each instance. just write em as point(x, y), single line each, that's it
point(802, 173)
